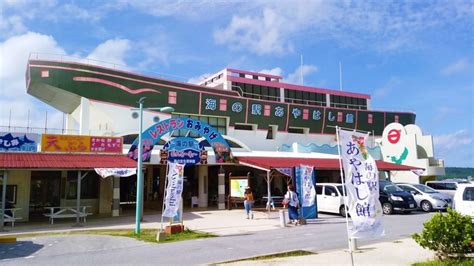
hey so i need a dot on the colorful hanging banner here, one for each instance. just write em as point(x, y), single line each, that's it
point(362, 185)
point(174, 189)
point(305, 182)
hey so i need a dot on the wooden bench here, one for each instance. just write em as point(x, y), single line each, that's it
point(234, 201)
point(66, 212)
point(7, 218)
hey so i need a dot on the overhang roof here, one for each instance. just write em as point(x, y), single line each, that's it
point(44, 161)
point(268, 163)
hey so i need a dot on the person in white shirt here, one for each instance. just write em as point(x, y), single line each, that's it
point(293, 203)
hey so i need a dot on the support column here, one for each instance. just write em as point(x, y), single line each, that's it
point(78, 195)
point(221, 189)
point(116, 196)
point(203, 186)
point(69, 124)
point(84, 117)
point(4, 198)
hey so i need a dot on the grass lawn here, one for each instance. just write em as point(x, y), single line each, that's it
point(447, 262)
point(147, 235)
point(277, 255)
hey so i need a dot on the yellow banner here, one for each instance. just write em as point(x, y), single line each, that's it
point(80, 144)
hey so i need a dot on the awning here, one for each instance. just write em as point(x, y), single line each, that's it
point(63, 161)
point(268, 163)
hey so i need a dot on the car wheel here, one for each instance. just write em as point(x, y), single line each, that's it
point(342, 211)
point(387, 208)
point(426, 206)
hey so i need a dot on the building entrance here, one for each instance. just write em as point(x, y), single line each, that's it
point(44, 192)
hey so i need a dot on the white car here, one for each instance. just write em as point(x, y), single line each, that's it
point(329, 198)
point(464, 200)
point(427, 198)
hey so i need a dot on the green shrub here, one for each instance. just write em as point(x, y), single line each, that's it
point(449, 234)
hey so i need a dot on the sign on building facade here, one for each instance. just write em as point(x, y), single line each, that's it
point(80, 144)
point(19, 142)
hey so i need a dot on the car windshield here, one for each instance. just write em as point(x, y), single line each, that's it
point(339, 188)
point(391, 188)
point(425, 189)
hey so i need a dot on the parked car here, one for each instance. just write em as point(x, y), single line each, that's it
point(427, 198)
point(464, 200)
point(447, 186)
point(329, 198)
point(394, 198)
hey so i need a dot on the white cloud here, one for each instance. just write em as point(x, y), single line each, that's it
point(274, 71)
point(455, 140)
point(12, 25)
point(455, 148)
point(111, 51)
point(304, 70)
point(269, 26)
point(384, 90)
point(261, 35)
point(14, 54)
point(456, 67)
point(198, 79)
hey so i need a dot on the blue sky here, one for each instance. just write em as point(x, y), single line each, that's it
point(409, 55)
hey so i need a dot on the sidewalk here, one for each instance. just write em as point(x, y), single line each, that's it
point(218, 222)
point(400, 252)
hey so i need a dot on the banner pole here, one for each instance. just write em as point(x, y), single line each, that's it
point(345, 194)
point(164, 196)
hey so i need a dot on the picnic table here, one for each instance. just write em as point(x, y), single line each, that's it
point(9, 216)
point(66, 212)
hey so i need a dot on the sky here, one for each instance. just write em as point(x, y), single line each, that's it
point(408, 55)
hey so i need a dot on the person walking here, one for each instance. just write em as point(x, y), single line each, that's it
point(293, 203)
point(248, 202)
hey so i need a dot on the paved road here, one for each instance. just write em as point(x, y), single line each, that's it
point(326, 234)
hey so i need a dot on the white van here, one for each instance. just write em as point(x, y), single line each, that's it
point(446, 186)
point(464, 200)
point(329, 198)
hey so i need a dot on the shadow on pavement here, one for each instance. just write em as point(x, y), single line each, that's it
point(18, 249)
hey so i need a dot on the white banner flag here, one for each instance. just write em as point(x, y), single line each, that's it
point(362, 185)
point(307, 187)
point(122, 172)
point(174, 189)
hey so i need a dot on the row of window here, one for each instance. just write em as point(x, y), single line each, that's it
point(305, 97)
point(348, 102)
point(298, 97)
point(257, 91)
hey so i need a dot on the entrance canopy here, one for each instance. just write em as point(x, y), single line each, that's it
point(63, 161)
point(268, 163)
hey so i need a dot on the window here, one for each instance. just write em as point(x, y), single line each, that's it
point(89, 185)
point(243, 127)
point(319, 190)
point(295, 130)
point(329, 190)
point(468, 194)
point(270, 133)
point(172, 97)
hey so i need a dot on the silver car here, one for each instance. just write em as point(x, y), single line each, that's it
point(427, 198)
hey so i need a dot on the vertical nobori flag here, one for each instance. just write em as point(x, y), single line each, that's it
point(174, 189)
point(305, 181)
point(362, 185)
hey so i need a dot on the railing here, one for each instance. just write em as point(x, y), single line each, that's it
point(38, 130)
point(95, 62)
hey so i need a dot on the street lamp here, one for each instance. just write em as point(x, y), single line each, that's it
point(166, 109)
